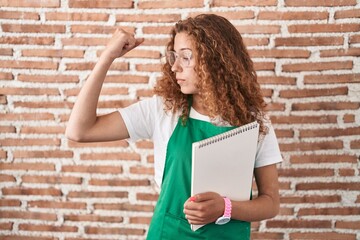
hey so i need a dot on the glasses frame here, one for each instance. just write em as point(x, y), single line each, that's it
point(184, 57)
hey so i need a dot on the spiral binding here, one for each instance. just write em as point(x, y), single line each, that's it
point(228, 134)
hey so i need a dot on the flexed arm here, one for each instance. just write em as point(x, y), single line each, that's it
point(84, 125)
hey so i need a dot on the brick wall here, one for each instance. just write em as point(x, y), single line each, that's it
point(306, 55)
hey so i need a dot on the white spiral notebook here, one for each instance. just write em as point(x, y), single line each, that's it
point(225, 163)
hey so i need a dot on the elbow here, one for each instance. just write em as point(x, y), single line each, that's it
point(74, 135)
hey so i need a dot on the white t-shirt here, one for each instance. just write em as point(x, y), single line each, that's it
point(147, 120)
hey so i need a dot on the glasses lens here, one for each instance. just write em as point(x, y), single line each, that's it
point(171, 57)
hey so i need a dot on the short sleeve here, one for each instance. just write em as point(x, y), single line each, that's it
point(268, 151)
point(139, 119)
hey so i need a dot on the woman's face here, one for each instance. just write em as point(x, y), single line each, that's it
point(184, 64)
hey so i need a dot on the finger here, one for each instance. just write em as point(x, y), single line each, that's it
point(206, 196)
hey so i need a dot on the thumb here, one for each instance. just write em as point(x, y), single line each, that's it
point(139, 41)
point(201, 197)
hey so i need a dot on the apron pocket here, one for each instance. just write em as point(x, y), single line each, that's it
point(176, 228)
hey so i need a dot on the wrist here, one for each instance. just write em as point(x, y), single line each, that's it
point(226, 217)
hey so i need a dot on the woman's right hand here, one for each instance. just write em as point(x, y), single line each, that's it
point(120, 43)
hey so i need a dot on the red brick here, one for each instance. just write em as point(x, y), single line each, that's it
point(28, 215)
point(156, 18)
point(349, 118)
point(266, 235)
point(6, 226)
point(10, 203)
point(57, 204)
point(140, 220)
point(28, 166)
point(76, 16)
point(256, 41)
point(318, 3)
point(317, 66)
point(6, 51)
point(233, 3)
point(144, 93)
point(42, 130)
point(93, 218)
point(124, 207)
point(3, 99)
point(81, 41)
point(111, 156)
point(52, 179)
point(340, 52)
point(32, 4)
point(333, 132)
point(346, 172)
point(310, 199)
point(103, 194)
point(7, 178)
point(157, 29)
point(277, 15)
point(43, 154)
point(116, 104)
point(352, 13)
point(32, 191)
point(104, 91)
point(347, 211)
point(47, 228)
point(26, 116)
point(19, 15)
point(303, 119)
point(121, 66)
point(54, 53)
point(3, 154)
point(148, 67)
point(142, 170)
point(348, 224)
point(28, 40)
point(98, 29)
point(276, 80)
point(29, 91)
point(63, 105)
point(328, 186)
point(136, 53)
point(6, 76)
point(325, 106)
point(114, 231)
point(26, 237)
point(298, 224)
point(315, 28)
point(284, 133)
point(275, 107)
point(279, 53)
point(308, 41)
point(29, 64)
point(355, 144)
point(92, 169)
point(230, 15)
point(146, 144)
point(49, 78)
point(258, 29)
point(170, 4)
point(326, 79)
point(127, 79)
point(101, 4)
point(119, 182)
point(354, 39)
point(147, 196)
point(305, 159)
point(311, 146)
point(30, 142)
point(33, 28)
point(311, 93)
point(302, 172)
point(264, 66)
point(321, 235)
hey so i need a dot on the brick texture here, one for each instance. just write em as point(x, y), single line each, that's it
point(306, 54)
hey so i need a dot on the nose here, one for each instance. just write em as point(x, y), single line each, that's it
point(176, 67)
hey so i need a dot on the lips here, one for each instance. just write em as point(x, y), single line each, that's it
point(179, 81)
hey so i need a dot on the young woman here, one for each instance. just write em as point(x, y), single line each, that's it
point(208, 86)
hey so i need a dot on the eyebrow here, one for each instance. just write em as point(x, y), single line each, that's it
point(182, 49)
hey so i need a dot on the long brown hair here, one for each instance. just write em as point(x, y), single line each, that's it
point(227, 79)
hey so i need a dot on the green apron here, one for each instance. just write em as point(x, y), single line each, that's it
point(169, 222)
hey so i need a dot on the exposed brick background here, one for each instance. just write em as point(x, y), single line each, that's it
point(306, 53)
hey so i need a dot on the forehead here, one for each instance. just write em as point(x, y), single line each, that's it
point(182, 41)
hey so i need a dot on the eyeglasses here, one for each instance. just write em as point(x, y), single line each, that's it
point(184, 57)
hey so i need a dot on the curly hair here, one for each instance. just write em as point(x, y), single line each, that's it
point(227, 79)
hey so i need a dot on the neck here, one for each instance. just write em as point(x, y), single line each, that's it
point(198, 105)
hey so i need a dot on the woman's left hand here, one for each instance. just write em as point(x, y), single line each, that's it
point(204, 208)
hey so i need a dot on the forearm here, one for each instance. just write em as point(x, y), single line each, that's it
point(83, 115)
point(260, 208)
